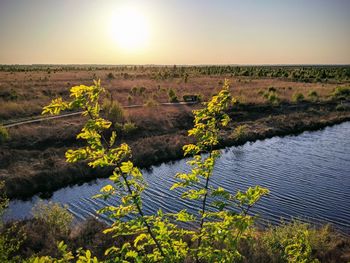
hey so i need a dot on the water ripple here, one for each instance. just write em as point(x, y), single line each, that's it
point(308, 177)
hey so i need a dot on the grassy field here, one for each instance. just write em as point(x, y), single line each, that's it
point(25, 90)
point(270, 101)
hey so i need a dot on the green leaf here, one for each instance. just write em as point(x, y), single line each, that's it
point(131, 254)
point(112, 139)
point(184, 216)
point(194, 194)
point(140, 238)
point(126, 167)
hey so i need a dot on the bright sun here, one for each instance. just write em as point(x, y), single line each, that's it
point(130, 29)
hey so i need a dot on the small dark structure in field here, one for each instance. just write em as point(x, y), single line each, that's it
point(191, 98)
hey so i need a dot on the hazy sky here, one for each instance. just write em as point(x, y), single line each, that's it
point(175, 32)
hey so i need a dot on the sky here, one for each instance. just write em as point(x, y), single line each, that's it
point(171, 32)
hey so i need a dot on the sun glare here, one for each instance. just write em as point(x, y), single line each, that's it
point(130, 29)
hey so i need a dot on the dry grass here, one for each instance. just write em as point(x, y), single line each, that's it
point(33, 159)
point(34, 89)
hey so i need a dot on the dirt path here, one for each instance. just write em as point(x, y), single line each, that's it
point(64, 115)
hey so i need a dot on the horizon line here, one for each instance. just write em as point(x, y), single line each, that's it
point(164, 65)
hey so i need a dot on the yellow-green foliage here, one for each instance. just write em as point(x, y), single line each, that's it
point(239, 132)
point(4, 135)
point(8, 244)
point(113, 111)
point(341, 93)
point(221, 229)
point(289, 242)
point(126, 128)
point(56, 216)
point(3, 199)
point(172, 96)
point(297, 97)
point(82, 256)
point(271, 96)
point(127, 182)
point(129, 127)
point(224, 222)
point(158, 237)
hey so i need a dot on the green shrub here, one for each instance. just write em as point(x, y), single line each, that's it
point(142, 90)
point(4, 135)
point(9, 242)
point(159, 237)
point(113, 111)
point(133, 91)
point(110, 75)
point(273, 98)
point(341, 93)
point(172, 96)
point(270, 95)
point(312, 95)
point(57, 217)
point(289, 242)
point(342, 107)
point(11, 239)
point(298, 97)
point(129, 128)
point(239, 132)
point(118, 127)
point(129, 99)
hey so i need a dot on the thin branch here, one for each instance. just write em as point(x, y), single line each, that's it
point(102, 136)
point(143, 216)
point(134, 200)
point(203, 209)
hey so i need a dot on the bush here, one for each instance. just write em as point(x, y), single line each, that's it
point(57, 217)
point(110, 75)
point(239, 132)
point(273, 98)
point(133, 91)
point(156, 238)
point(341, 93)
point(289, 242)
point(11, 237)
point(342, 107)
point(298, 97)
point(312, 95)
point(4, 135)
point(113, 111)
point(126, 128)
point(129, 99)
point(118, 127)
point(270, 95)
point(172, 96)
point(129, 128)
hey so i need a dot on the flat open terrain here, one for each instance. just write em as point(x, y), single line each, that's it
point(271, 101)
